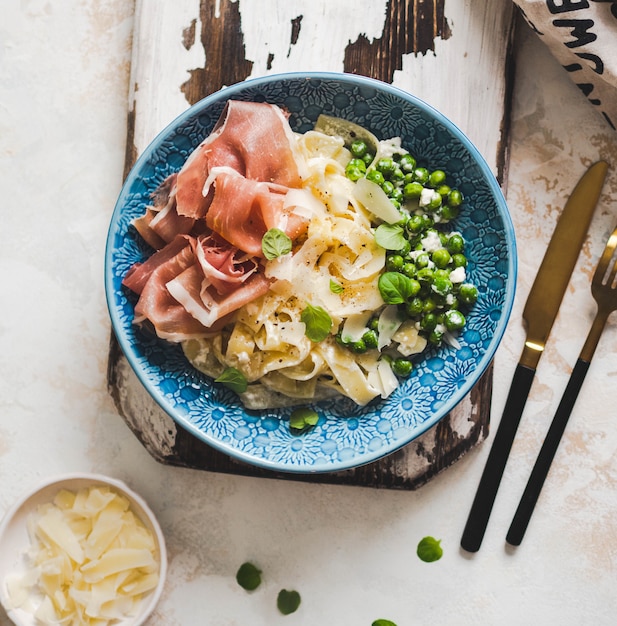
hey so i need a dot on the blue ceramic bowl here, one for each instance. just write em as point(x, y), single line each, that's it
point(346, 435)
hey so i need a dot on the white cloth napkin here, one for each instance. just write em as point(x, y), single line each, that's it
point(582, 36)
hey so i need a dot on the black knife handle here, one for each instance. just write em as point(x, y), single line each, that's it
point(497, 458)
point(547, 453)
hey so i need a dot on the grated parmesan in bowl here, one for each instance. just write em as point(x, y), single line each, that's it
point(81, 549)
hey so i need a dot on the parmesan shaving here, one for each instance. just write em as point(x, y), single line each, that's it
point(92, 560)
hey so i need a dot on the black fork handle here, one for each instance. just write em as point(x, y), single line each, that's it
point(547, 454)
point(498, 456)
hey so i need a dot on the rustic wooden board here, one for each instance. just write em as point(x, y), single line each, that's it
point(458, 62)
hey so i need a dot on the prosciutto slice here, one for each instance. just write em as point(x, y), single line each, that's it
point(192, 283)
point(252, 138)
point(243, 210)
point(206, 224)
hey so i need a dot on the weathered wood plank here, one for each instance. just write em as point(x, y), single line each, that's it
point(454, 57)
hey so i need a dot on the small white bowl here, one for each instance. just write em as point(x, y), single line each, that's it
point(14, 539)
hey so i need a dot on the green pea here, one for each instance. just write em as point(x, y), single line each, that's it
point(396, 194)
point(358, 148)
point(455, 199)
point(429, 222)
point(406, 249)
point(441, 273)
point(436, 178)
point(414, 287)
point(468, 293)
point(371, 339)
point(394, 263)
point(434, 203)
point(443, 190)
point(376, 176)
point(441, 257)
point(428, 321)
point(421, 175)
point(402, 367)
point(425, 275)
point(368, 158)
point(442, 286)
point(429, 305)
point(407, 163)
point(355, 169)
point(397, 175)
point(422, 260)
point(448, 213)
point(410, 269)
point(435, 337)
point(459, 260)
point(359, 347)
point(388, 187)
point(412, 190)
point(414, 307)
point(386, 166)
point(455, 243)
point(415, 224)
point(454, 320)
point(373, 323)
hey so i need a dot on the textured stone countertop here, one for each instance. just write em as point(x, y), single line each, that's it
point(349, 551)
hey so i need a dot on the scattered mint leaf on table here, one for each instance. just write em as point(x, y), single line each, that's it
point(429, 549)
point(233, 379)
point(288, 602)
point(248, 576)
point(275, 243)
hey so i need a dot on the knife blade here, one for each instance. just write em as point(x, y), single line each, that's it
point(539, 314)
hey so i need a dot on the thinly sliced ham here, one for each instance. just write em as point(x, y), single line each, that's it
point(208, 306)
point(208, 258)
point(243, 210)
point(191, 284)
point(252, 138)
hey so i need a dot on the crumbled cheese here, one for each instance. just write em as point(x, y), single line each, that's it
point(431, 242)
point(91, 558)
point(427, 196)
point(458, 275)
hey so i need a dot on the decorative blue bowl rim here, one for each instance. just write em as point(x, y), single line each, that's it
point(346, 436)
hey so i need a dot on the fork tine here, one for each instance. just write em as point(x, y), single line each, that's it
point(611, 278)
point(607, 255)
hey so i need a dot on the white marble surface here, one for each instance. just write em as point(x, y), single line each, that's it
point(349, 551)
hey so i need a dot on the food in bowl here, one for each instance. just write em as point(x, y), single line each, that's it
point(293, 267)
point(81, 550)
point(346, 434)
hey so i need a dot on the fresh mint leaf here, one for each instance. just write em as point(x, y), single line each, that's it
point(317, 322)
point(233, 379)
point(248, 576)
point(302, 420)
point(429, 549)
point(335, 287)
point(390, 236)
point(275, 243)
point(383, 622)
point(394, 287)
point(288, 602)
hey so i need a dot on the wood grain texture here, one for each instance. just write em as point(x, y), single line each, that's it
point(196, 48)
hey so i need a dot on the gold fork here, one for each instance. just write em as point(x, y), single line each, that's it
point(604, 291)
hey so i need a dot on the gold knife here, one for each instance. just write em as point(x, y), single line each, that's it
point(539, 314)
